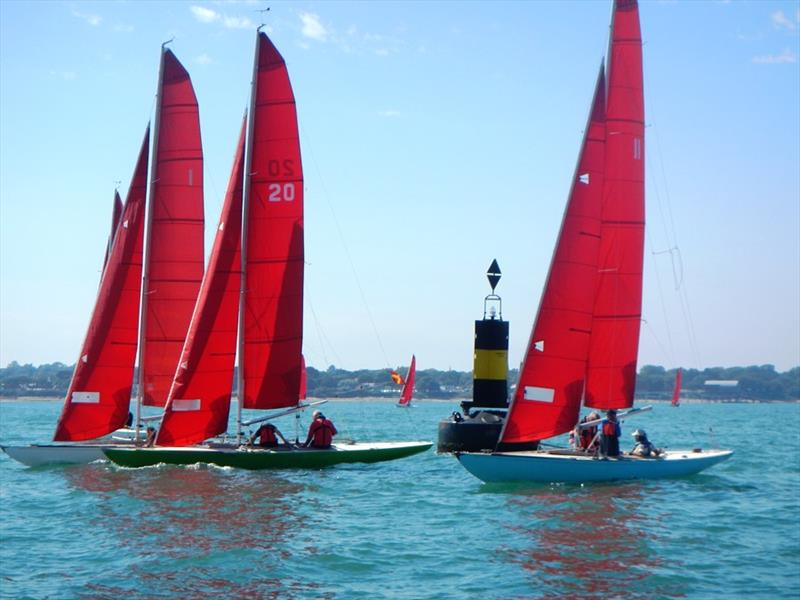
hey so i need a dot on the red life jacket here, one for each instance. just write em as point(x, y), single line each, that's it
point(610, 428)
point(322, 432)
point(267, 436)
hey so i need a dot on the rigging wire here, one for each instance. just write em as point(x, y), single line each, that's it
point(346, 249)
point(665, 212)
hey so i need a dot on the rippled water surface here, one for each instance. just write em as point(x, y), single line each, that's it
point(420, 527)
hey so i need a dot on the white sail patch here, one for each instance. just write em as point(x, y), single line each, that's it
point(86, 397)
point(584, 178)
point(539, 394)
point(184, 404)
point(539, 345)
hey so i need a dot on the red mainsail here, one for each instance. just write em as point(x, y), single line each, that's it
point(408, 387)
point(199, 401)
point(548, 395)
point(611, 373)
point(98, 399)
point(272, 318)
point(174, 248)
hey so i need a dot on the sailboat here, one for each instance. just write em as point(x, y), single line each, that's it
point(676, 392)
point(153, 268)
point(408, 385)
point(251, 304)
point(584, 342)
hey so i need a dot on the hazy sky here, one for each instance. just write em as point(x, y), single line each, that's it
point(435, 137)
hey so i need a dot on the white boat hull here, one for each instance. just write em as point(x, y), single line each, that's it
point(552, 467)
point(38, 455)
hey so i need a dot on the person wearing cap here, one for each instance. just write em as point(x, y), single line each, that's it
point(643, 447)
point(610, 431)
point(320, 432)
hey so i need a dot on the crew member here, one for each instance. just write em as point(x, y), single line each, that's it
point(150, 440)
point(321, 432)
point(609, 434)
point(644, 447)
point(588, 433)
point(267, 436)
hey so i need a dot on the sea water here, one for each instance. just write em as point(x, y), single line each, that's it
point(419, 527)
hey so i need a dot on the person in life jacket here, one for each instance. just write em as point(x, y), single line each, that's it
point(644, 447)
point(150, 440)
point(267, 436)
point(587, 434)
point(609, 434)
point(320, 432)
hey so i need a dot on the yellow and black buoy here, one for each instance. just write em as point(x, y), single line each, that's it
point(478, 428)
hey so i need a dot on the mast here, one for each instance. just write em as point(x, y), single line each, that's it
point(248, 158)
point(146, 249)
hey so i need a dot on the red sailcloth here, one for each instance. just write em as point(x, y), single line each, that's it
point(270, 355)
point(548, 393)
point(408, 386)
point(676, 393)
point(98, 399)
point(303, 379)
point(116, 213)
point(611, 373)
point(199, 401)
point(174, 249)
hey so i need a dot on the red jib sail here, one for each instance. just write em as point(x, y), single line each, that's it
point(270, 359)
point(408, 387)
point(98, 399)
point(611, 373)
point(199, 401)
point(548, 395)
point(174, 250)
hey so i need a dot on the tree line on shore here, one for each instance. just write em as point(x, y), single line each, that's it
point(760, 383)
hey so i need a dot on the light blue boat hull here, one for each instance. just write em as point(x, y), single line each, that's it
point(557, 467)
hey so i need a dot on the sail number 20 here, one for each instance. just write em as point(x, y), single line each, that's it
point(281, 192)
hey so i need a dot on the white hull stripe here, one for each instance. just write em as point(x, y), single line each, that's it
point(539, 394)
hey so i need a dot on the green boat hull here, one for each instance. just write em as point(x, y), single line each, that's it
point(260, 458)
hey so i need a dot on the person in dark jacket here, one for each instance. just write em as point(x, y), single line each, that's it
point(321, 432)
point(267, 436)
point(609, 434)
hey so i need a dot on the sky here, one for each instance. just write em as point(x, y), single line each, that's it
point(436, 136)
